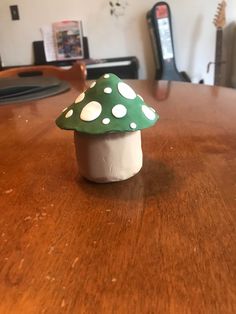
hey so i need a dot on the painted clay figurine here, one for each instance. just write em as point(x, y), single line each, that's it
point(106, 120)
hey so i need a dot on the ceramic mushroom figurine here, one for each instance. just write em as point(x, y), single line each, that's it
point(107, 119)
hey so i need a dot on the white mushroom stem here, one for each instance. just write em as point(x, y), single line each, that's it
point(109, 157)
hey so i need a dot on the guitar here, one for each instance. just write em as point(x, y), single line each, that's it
point(159, 23)
point(219, 22)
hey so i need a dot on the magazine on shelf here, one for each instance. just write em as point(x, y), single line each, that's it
point(68, 39)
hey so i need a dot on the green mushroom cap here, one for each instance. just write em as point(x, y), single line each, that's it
point(108, 105)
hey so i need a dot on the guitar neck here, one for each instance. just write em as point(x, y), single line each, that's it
point(218, 56)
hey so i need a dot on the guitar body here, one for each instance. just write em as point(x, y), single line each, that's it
point(169, 72)
point(159, 22)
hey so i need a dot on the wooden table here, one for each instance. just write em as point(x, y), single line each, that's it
point(161, 242)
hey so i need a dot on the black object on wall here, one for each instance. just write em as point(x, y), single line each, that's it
point(14, 12)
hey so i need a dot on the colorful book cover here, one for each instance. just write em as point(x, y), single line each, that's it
point(68, 37)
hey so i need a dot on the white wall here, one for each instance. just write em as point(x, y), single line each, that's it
point(194, 33)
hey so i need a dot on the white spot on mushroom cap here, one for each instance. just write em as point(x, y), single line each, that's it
point(69, 113)
point(106, 121)
point(126, 91)
point(106, 76)
point(64, 109)
point(108, 90)
point(119, 111)
point(93, 84)
point(80, 98)
point(148, 112)
point(133, 125)
point(91, 111)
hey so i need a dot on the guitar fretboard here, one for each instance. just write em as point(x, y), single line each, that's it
point(218, 56)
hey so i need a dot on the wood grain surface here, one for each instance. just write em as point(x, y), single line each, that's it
point(161, 242)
